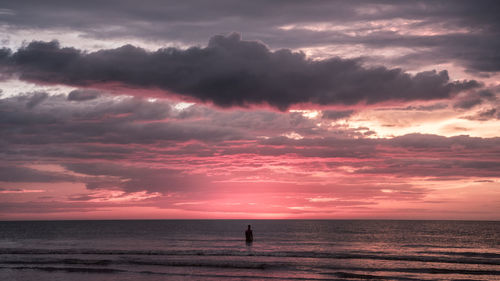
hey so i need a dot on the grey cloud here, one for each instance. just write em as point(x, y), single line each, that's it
point(189, 22)
point(431, 107)
point(4, 53)
point(336, 114)
point(414, 144)
point(189, 19)
point(474, 98)
point(477, 52)
point(485, 115)
point(83, 95)
point(36, 98)
point(232, 72)
point(28, 100)
point(124, 120)
point(33, 207)
point(487, 94)
point(131, 179)
point(168, 147)
point(430, 142)
point(102, 120)
point(467, 102)
point(440, 157)
point(488, 113)
point(218, 15)
point(438, 168)
point(57, 109)
point(12, 173)
point(10, 189)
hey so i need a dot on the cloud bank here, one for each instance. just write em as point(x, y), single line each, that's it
point(458, 31)
point(231, 72)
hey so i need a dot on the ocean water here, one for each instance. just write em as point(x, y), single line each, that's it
point(282, 250)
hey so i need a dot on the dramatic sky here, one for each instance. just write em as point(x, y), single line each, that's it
point(249, 109)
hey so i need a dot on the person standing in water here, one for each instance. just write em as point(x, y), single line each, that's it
point(249, 235)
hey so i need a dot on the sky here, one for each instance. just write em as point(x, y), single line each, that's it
point(249, 109)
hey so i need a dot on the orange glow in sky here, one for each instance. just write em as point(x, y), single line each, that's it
point(348, 113)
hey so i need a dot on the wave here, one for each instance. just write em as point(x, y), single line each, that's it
point(191, 275)
point(464, 254)
point(142, 262)
point(471, 258)
point(359, 276)
point(235, 264)
point(426, 270)
point(60, 261)
point(358, 273)
point(67, 269)
point(435, 246)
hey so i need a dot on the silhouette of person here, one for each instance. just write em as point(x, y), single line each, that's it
point(249, 235)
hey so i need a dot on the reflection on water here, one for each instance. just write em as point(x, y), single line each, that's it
point(216, 250)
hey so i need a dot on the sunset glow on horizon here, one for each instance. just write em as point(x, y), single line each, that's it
point(327, 110)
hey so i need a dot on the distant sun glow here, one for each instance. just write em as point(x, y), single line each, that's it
point(309, 110)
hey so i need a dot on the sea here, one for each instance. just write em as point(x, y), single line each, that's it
point(282, 250)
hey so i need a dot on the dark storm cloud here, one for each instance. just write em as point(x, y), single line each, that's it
point(189, 22)
point(232, 72)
